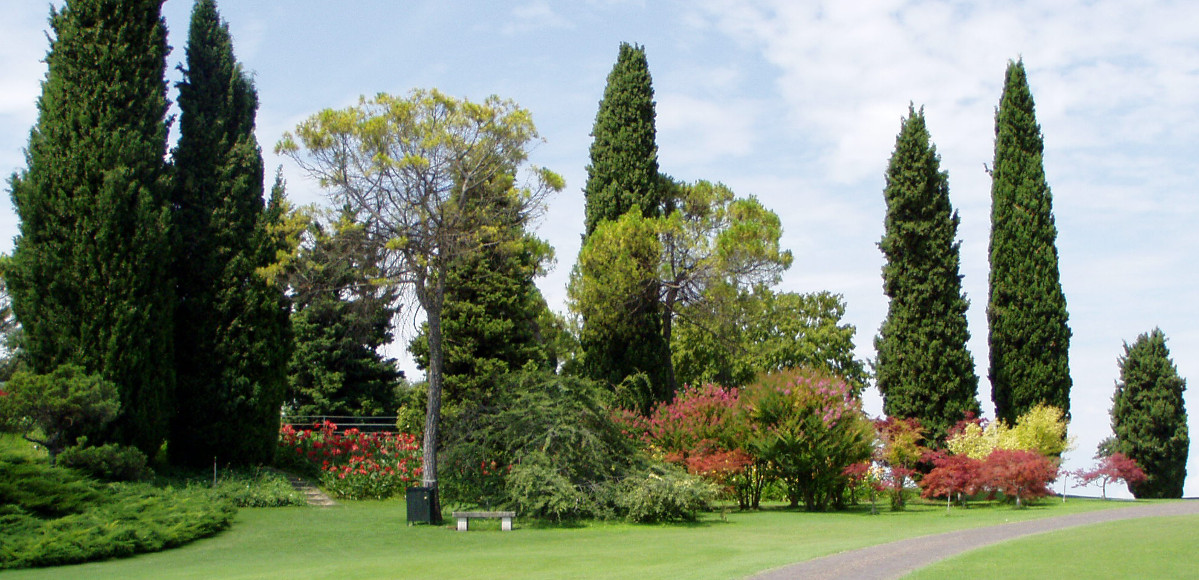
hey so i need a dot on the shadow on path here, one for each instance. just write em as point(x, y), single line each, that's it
point(895, 559)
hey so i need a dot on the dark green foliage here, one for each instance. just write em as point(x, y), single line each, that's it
point(109, 462)
point(90, 276)
point(557, 436)
point(622, 177)
point(56, 409)
point(623, 173)
point(493, 311)
point(231, 325)
point(923, 368)
point(733, 336)
point(1149, 416)
point(340, 321)
point(53, 516)
point(1026, 313)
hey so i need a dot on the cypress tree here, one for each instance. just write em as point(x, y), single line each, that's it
point(923, 369)
point(623, 173)
point(1027, 332)
point(623, 176)
point(1149, 416)
point(90, 275)
point(231, 331)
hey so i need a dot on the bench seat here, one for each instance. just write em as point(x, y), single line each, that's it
point(465, 517)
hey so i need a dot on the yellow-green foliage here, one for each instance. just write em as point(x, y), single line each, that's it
point(1041, 429)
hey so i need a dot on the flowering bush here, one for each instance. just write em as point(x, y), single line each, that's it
point(899, 450)
point(353, 464)
point(807, 427)
point(1110, 469)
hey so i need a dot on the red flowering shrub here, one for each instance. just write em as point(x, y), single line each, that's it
point(1110, 469)
point(951, 474)
point(353, 464)
point(701, 430)
point(1019, 473)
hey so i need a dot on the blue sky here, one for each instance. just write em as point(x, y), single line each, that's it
point(798, 103)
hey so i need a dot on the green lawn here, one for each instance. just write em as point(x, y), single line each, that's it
point(371, 540)
point(1139, 548)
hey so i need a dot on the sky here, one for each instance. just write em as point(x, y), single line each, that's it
point(797, 103)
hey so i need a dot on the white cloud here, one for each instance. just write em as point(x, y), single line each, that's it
point(537, 15)
point(696, 131)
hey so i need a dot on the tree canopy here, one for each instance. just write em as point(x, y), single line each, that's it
point(409, 168)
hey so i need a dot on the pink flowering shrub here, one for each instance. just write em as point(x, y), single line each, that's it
point(807, 427)
point(353, 464)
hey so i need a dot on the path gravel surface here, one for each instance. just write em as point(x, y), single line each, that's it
point(898, 558)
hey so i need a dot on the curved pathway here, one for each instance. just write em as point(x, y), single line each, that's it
point(895, 559)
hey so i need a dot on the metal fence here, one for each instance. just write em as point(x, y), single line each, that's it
point(343, 422)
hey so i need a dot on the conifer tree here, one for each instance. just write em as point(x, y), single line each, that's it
point(90, 275)
point(622, 177)
point(923, 368)
point(492, 309)
point(1026, 314)
point(340, 321)
point(1149, 416)
point(231, 331)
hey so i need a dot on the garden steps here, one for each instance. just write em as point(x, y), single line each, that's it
point(312, 494)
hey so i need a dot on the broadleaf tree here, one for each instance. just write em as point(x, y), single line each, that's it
point(90, 272)
point(1028, 335)
point(923, 370)
point(231, 325)
point(408, 167)
point(1149, 416)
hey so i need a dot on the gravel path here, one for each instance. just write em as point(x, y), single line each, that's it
point(898, 558)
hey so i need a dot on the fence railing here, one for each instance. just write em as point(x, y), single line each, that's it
point(343, 422)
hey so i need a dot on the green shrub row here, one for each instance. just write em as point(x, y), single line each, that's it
point(54, 516)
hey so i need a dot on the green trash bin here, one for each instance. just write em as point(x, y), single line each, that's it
point(423, 506)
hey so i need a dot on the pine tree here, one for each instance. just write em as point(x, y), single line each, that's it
point(231, 331)
point(1149, 416)
point(623, 176)
point(923, 368)
point(1027, 320)
point(340, 321)
point(90, 275)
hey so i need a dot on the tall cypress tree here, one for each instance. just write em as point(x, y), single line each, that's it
point(90, 275)
point(1149, 416)
point(231, 330)
point(923, 369)
point(1026, 315)
point(623, 176)
point(623, 173)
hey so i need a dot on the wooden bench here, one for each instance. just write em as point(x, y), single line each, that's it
point(465, 517)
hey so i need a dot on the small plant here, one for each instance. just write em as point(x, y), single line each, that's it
point(55, 409)
point(109, 462)
point(1110, 469)
point(663, 493)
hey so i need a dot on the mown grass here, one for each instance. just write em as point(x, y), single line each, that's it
point(1139, 548)
point(371, 540)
